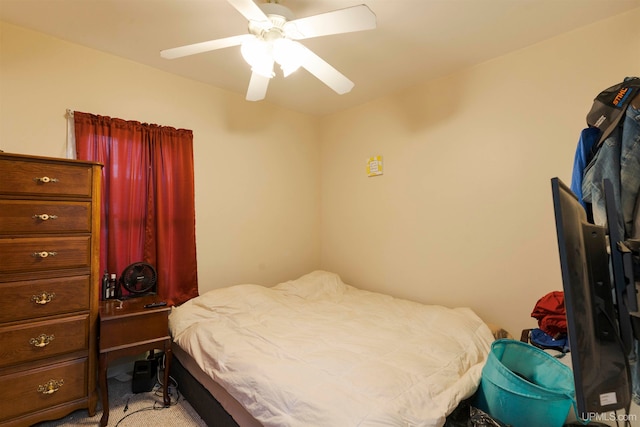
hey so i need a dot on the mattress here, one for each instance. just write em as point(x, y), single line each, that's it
point(316, 351)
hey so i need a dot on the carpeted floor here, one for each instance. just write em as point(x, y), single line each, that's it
point(127, 409)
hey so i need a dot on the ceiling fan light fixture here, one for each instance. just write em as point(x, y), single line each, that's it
point(258, 54)
point(288, 54)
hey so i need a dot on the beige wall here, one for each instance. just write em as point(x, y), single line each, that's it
point(463, 213)
point(461, 216)
point(256, 165)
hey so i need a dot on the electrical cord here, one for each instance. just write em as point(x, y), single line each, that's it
point(135, 412)
point(173, 384)
point(172, 388)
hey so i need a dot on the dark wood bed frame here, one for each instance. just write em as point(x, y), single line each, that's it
point(199, 398)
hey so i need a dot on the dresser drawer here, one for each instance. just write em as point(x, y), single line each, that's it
point(39, 340)
point(29, 391)
point(46, 253)
point(45, 297)
point(28, 216)
point(41, 178)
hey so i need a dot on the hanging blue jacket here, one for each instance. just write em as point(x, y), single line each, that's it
point(618, 159)
point(588, 138)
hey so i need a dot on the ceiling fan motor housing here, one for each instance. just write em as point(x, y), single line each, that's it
point(277, 10)
point(274, 28)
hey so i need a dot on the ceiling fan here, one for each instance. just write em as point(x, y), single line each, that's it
point(273, 38)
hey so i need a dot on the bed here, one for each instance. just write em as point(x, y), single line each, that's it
point(317, 352)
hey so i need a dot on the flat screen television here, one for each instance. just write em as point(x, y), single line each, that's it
point(598, 356)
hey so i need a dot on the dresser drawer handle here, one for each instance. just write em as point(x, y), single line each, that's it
point(44, 254)
point(50, 387)
point(43, 298)
point(42, 341)
point(45, 179)
point(44, 217)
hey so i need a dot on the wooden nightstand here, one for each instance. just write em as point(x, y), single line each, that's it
point(128, 329)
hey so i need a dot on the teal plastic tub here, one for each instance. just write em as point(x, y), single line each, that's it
point(523, 386)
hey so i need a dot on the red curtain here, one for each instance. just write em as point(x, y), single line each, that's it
point(148, 208)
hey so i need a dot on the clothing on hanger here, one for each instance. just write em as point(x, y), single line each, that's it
point(615, 155)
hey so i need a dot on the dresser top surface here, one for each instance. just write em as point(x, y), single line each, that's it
point(28, 157)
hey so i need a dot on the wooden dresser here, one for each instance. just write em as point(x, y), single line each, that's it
point(49, 287)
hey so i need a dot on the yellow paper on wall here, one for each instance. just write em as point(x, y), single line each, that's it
point(374, 166)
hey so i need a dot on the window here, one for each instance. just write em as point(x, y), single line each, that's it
point(148, 209)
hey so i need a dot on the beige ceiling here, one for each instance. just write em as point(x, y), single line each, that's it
point(415, 40)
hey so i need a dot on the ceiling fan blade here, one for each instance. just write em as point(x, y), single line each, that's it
point(249, 10)
point(257, 87)
point(325, 72)
point(192, 49)
point(356, 18)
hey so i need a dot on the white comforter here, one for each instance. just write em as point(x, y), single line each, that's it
point(317, 352)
